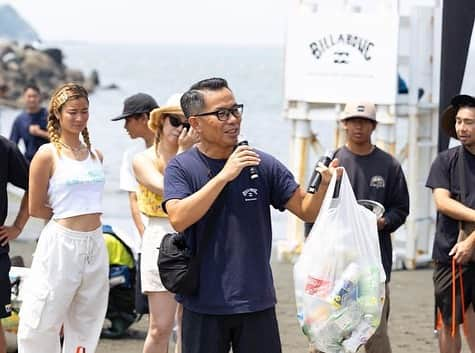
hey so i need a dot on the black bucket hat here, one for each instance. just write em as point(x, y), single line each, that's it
point(448, 116)
point(137, 104)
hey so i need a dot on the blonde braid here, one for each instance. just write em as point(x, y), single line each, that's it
point(87, 141)
point(54, 132)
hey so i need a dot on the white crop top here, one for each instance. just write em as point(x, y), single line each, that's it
point(76, 187)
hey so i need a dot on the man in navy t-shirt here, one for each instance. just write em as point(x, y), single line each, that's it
point(234, 306)
point(449, 254)
point(31, 125)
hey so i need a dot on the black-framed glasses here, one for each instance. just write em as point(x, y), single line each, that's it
point(224, 114)
point(176, 121)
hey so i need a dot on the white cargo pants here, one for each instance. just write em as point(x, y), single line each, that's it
point(68, 284)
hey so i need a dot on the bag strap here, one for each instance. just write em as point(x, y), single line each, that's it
point(461, 167)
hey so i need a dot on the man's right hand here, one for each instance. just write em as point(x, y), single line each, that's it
point(242, 157)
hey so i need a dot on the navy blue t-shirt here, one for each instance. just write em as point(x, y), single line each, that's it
point(20, 131)
point(444, 174)
point(235, 273)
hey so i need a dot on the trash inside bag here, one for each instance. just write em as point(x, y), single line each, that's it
point(339, 278)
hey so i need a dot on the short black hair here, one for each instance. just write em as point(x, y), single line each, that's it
point(210, 84)
point(193, 101)
point(32, 86)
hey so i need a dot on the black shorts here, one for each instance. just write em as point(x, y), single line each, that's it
point(443, 291)
point(5, 286)
point(256, 332)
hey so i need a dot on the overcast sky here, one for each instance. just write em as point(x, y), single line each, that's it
point(189, 21)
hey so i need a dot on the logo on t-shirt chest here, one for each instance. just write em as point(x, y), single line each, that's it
point(250, 194)
point(377, 182)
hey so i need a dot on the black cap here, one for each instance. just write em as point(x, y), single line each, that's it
point(448, 116)
point(137, 104)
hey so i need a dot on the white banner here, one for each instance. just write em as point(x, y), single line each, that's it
point(334, 58)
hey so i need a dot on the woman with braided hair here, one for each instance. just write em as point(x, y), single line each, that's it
point(68, 283)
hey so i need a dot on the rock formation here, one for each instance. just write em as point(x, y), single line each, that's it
point(21, 64)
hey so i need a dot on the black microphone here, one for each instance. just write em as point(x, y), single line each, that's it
point(253, 174)
point(316, 177)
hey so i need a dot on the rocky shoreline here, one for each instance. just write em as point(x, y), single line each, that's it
point(24, 64)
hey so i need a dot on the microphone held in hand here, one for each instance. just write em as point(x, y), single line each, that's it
point(316, 177)
point(253, 174)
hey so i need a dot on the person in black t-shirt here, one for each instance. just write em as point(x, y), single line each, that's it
point(14, 170)
point(374, 175)
point(453, 259)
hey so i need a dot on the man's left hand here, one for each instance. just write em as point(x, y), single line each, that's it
point(8, 233)
point(462, 251)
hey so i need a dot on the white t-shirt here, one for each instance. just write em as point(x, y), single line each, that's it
point(127, 178)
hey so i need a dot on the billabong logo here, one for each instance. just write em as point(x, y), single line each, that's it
point(8, 308)
point(377, 182)
point(341, 56)
point(250, 194)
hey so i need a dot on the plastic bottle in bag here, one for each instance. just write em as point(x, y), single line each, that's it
point(359, 336)
point(370, 308)
point(369, 295)
point(340, 324)
point(327, 339)
point(346, 319)
point(346, 289)
point(369, 282)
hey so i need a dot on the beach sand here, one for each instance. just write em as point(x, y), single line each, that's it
point(410, 324)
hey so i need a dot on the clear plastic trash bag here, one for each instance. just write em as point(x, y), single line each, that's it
point(339, 277)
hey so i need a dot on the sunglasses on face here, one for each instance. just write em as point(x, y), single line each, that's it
point(225, 113)
point(176, 121)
